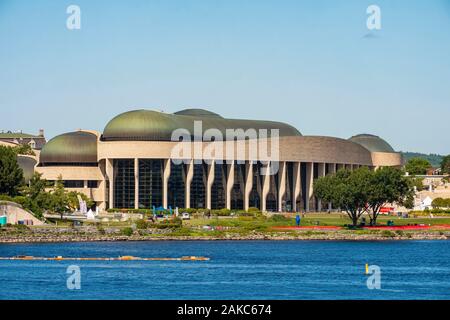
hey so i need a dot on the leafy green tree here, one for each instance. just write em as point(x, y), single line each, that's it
point(24, 149)
point(417, 182)
point(416, 166)
point(445, 164)
point(11, 175)
point(73, 201)
point(387, 185)
point(35, 192)
point(59, 202)
point(348, 190)
point(441, 203)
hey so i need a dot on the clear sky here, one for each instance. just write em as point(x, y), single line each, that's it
point(312, 64)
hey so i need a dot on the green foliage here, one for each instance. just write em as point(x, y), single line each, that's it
point(387, 234)
point(140, 211)
point(221, 212)
point(348, 190)
point(445, 165)
point(417, 182)
point(128, 231)
point(11, 175)
point(441, 203)
point(187, 210)
point(387, 185)
point(24, 149)
point(142, 224)
point(278, 218)
point(417, 166)
point(433, 159)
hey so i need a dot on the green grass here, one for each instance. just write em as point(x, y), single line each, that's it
point(321, 219)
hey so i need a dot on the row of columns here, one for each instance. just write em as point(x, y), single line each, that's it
point(248, 182)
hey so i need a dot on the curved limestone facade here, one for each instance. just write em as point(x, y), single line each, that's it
point(138, 162)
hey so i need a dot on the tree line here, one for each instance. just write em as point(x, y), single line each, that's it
point(38, 195)
point(365, 191)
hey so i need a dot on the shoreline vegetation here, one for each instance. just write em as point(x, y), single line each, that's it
point(317, 226)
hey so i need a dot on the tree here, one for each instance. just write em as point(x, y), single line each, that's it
point(445, 164)
point(347, 190)
point(38, 199)
point(417, 182)
point(387, 185)
point(416, 166)
point(59, 201)
point(441, 203)
point(11, 175)
point(24, 149)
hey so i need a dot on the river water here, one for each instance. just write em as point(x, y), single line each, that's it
point(237, 270)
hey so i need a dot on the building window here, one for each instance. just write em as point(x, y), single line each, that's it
point(124, 183)
point(92, 184)
point(255, 200)
point(176, 186)
point(73, 183)
point(198, 197)
point(150, 183)
point(218, 188)
point(237, 192)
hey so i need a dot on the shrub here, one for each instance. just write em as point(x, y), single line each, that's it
point(187, 210)
point(441, 203)
point(278, 218)
point(127, 231)
point(221, 212)
point(387, 234)
point(141, 224)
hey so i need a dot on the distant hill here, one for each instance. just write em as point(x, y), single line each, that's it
point(434, 159)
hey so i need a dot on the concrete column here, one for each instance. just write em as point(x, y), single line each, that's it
point(321, 173)
point(265, 176)
point(209, 183)
point(110, 175)
point(166, 176)
point(331, 170)
point(136, 183)
point(309, 184)
point(248, 184)
point(85, 184)
point(189, 177)
point(297, 185)
point(229, 184)
point(281, 184)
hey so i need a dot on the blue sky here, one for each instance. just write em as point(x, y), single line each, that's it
point(311, 64)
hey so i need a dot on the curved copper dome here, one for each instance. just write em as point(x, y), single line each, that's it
point(372, 143)
point(72, 147)
point(151, 125)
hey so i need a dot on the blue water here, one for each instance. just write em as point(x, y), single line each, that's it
point(237, 270)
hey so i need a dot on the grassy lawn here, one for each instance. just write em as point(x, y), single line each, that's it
point(322, 219)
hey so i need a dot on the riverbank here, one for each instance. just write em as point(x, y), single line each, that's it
point(88, 234)
point(325, 227)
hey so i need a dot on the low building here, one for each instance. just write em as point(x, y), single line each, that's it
point(133, 163)
point(10, 138)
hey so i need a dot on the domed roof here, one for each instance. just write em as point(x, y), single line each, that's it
point(72, 147)
point(148, 125)
point(372, 143)
point(198, 112)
